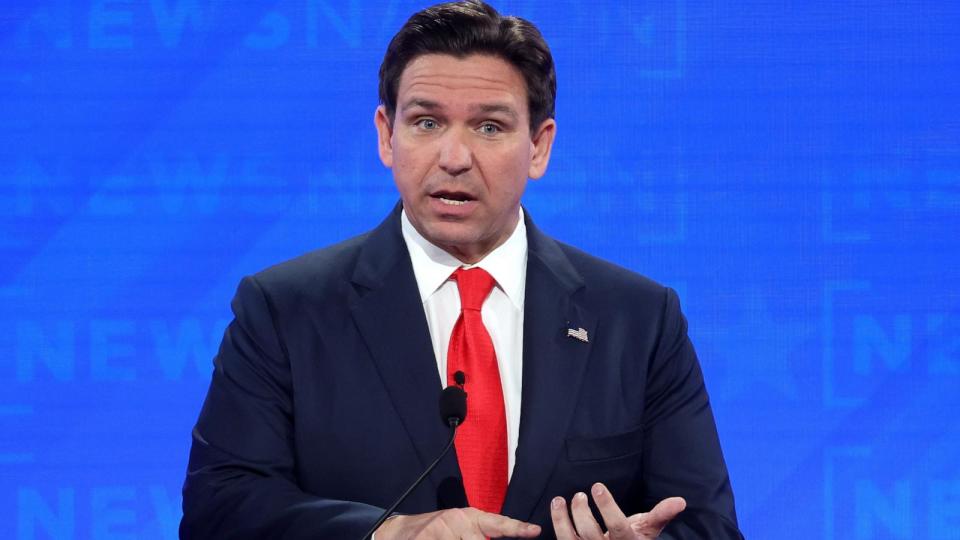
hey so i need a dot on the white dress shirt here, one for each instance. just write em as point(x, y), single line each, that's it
point(502, 311)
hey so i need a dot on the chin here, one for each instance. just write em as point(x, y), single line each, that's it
point(450, 239)
point(447, 235)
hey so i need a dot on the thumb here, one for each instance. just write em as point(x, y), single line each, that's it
point(497, 526)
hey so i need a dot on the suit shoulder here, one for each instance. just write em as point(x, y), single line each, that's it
point(313, 271)
point(605, 278)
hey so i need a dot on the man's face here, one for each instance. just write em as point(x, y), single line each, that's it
point(461, 150)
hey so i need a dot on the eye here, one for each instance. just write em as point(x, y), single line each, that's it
point(489, 128)
point(427, 123)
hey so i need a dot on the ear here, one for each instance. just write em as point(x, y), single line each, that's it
point(384, 136)
point(541, 144)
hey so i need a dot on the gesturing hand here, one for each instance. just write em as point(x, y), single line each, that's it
point(468, 523)
point(641, 526)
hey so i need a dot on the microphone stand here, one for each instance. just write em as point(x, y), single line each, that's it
point(454, 423)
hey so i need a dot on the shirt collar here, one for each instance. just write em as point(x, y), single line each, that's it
point(432, 265)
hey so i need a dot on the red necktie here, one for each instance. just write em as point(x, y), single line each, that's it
point(482, 440)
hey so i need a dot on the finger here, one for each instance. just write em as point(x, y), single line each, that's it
point(613, 518)
point(562, 527)
point(656, 519)
point(496, 526)
point(583, 519)
point(664, 512)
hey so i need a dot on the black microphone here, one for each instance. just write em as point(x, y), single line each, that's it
point(453, 411)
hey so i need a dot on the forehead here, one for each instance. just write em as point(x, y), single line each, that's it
point(462, 82)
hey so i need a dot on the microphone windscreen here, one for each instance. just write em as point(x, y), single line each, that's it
point(453, 404)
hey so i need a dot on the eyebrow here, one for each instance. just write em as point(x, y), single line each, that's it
point(486, 108)
point(497, 108)
point(422, 103)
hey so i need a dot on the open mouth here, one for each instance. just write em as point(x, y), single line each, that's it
point(452, 198)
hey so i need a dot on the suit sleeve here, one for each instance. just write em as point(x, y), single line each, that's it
point(681, 454)
point(241, 480)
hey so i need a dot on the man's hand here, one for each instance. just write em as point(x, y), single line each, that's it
point(619, 527)
point(466, 523)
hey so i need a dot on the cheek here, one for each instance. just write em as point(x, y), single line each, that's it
point(513, 171)
point(401, 164)
point(410, 158)
point(410, 173)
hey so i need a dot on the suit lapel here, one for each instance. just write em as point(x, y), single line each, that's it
point(390, 317)
point(553, 367)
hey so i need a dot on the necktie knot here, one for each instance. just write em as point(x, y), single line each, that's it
point(474, 285)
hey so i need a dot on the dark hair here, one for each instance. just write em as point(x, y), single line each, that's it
point(473, 27)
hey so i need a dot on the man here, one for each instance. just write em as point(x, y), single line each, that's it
point(579, 374)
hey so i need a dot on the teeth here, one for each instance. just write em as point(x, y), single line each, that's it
point(452, 202)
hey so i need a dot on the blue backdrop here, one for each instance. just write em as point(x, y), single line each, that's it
point(792, 168)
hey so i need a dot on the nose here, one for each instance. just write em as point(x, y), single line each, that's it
point(456, 157)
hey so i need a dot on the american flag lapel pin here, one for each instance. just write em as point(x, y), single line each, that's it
point(579, 333)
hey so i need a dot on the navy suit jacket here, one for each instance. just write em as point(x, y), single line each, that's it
point(323, 403)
